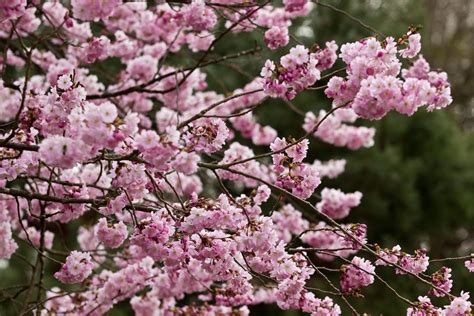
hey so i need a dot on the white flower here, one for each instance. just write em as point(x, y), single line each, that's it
point(300, 54)
point(287, 61)
point(81, 93)
point(268, 69)
point(108, 111)
point(64, 82)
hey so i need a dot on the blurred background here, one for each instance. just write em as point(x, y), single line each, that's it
point(418, 179)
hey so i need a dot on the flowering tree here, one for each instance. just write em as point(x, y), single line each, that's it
point(178, 215)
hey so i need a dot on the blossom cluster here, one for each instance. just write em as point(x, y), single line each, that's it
point(358, 274)
point(416, 263)
point(111, 235)
point(8, 246)
point(336, 204)
point(77, 268)
point(332, 128)
point(297, 70)
point(376, 84)
point(302, 179)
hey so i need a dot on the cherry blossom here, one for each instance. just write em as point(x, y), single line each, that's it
point(77, 268)
point(174, 190)
point(356, 275)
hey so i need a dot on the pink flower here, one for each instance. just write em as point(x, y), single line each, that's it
point(64, 82)
point(337, 204)
point(113, 235)
point(299, 54)
point(377, 96)
point(262, 194)
point(77, 268)
point(142, 68)
point(198, 16)
point(153, 234)
point(331, 168)
point(334, 131)
point(295, 5)
point(267, 70)
point(34, 235)
point(297, 72)
point(88, 10)
point(108, 111)
point(423, 307)
point(356, 275)
point(276, 37)
point(288, 61)
point(413, 46)
point(7, 244)
point(63, 152)
point(299, 178)
point(12, 9)
point(416, 263)
point(298, 151)
point(238, 152)
point(186, 163)
point(442, 280)
point(207, 135)
point(327, 56)
point(97, 49)
point(122, 119)
point(460, 306)
point(469, 264)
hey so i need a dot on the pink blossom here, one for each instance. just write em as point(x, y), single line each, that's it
point(123, 138)
point(377, 96)
point(142, 68)
point(88, 10)
point(293, 175)
point(442, 280)
point(198, 16)
point(297, 72)
point(7, 245)
point(276, 37)
point(64, 82)
point(237, 152)
point(186, 163)
point(108, 111)
point(337, 204)
point(327, 56)
point(331, 168)
point(299, 54)
point(97, 49)
point(356, 275)
point(469, 264)
point(295, 5)
point(12, 9)
point(423, 307)
point(413, 46)
point(77, 268)
point(459, 306)
point(334, 131)
point(207, 135)
point(113, 235)
point(34, 235)
point(416, 263)
point(262, 194)
point(153, 235)
point(62, 151)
